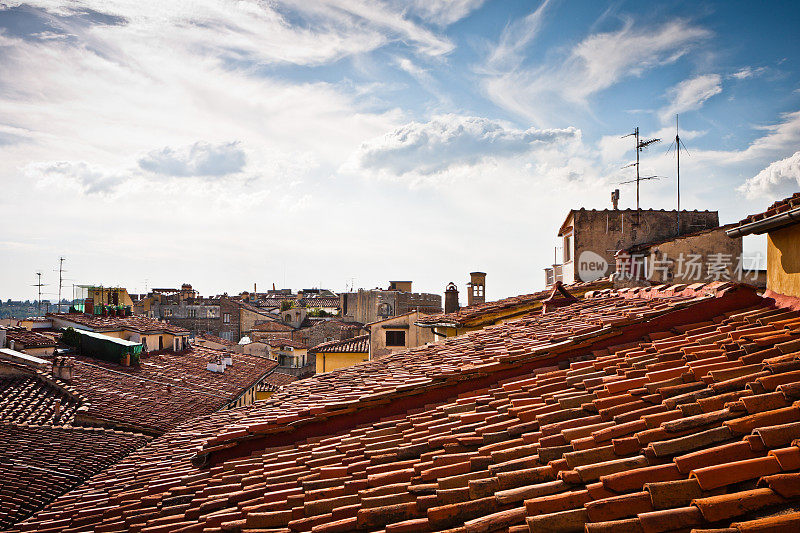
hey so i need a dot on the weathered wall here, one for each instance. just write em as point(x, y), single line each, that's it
point(783, 261)
point(607, 231)
point(715, 242)
point(415, 335)
point(371, 306)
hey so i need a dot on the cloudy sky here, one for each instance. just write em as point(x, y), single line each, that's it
point(354, 141)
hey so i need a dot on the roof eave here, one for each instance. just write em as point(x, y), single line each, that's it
point(759, 227)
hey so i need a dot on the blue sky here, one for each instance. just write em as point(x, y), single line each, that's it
point(231, 143)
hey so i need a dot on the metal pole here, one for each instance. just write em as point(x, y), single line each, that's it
point(60, 271)
point(678, 148)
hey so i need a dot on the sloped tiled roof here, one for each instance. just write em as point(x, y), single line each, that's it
point(483, 430)
point(275, 381)
point(38, 463)
point(29, 339)
point(218, 340)
point(133, 323)
point(474, 313)
point(324, 301)
point(358, 344)
point(165, 390)
point(26, 397)
point(272, 327)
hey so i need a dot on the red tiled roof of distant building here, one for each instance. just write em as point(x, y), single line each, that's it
point(358, 344)
point(319, 302)
point(472, 313)
point(273, 326)
point(164, 390)
point(29, 339)
point(680, 410)
point(759, 222)
point(283, 342)
point(215, 339)
point(275, 381)
point(38, 463)
point(134, 323)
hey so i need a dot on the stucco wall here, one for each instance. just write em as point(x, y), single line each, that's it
point(415, 335)
point(607, 231)
point(331, 361)
point(715, 242)
point(783, 261)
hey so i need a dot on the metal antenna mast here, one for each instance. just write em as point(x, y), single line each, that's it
point(60, 280)
point(678, 143)
point(40, 285)
point(639, 146)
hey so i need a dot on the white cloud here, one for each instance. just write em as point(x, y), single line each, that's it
point(748, 72)
point(691, 94)
point(88, 178)
point(442, 12)
point(601, 60)
point(779, 176)
point(198, 159)
point(448, 141)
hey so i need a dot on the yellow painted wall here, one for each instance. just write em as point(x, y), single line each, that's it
point(331, 361)
point(264, 395)
point(39, 351)
point(783, 261)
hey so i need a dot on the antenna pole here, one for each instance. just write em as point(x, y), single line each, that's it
point(39, 285)
point(60, 279)
point(678, 148)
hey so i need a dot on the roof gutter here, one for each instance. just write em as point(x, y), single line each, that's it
point(762, 226)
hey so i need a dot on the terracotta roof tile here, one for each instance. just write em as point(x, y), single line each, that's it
point(483, 432)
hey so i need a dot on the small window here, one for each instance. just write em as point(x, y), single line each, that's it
point(226, 318)
point(167, 312)
point(567, 248)
point(395, 338)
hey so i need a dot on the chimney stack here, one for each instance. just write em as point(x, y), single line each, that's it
point(615, 199)
point(451, 304)
point(57, 410)
point(477, 288)
point(63, 368)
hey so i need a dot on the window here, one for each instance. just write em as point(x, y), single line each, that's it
point(477, 290)
point(192, 313)
point(567, 248)
point(167, 312)
point(226, 318)
point(212, 312)
point(395, 338)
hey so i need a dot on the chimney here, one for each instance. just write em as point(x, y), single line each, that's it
point(451, 298)
point(477, 288)
point(615, 199)
point(63, 368)
point(57, 410)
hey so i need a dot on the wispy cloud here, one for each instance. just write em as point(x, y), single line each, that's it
point(507, 54)
point(442, 12)
point(451, 140)
point(748, 72)
point(691, 94)
point(596, 63)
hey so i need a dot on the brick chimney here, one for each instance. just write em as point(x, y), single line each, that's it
point(56, 410)
point(63, 368)
point(477, 288)
point(451, 304)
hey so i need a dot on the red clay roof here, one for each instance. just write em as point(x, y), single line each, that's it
point(28, 397)
point(29, 339)
point(133, 323)
point(680, 410)
point(275, 381)
point(166, 388)
point(471, 313)
point(358, 344)
point(38, 463)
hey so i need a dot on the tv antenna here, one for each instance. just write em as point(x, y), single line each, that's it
point(60, 280)
point(639, 146)
point(39, 285)
point(677, 143)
